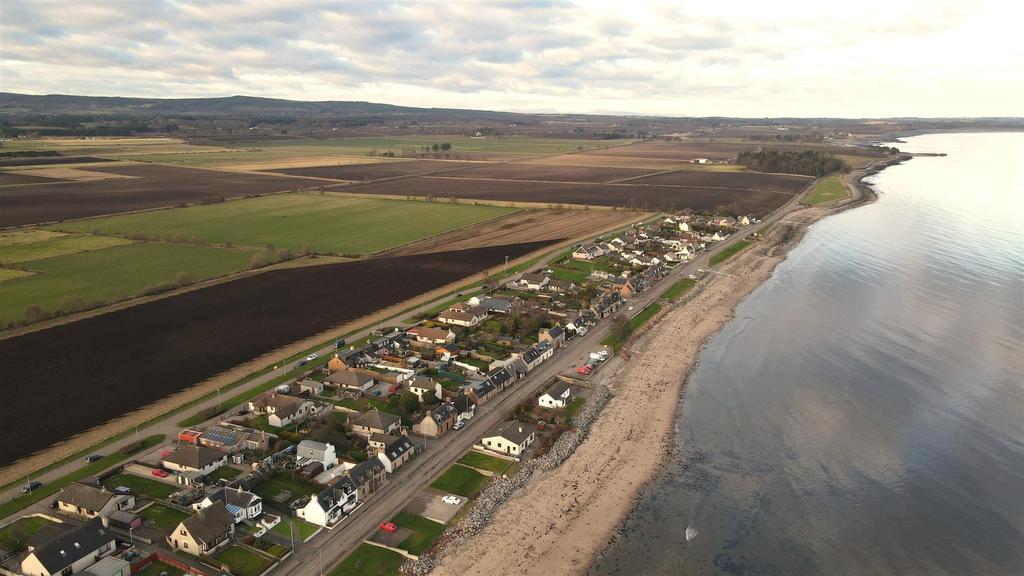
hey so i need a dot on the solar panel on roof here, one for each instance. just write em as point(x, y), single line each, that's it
point(221, 435)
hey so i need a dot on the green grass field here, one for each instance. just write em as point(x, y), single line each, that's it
point(827, 189)
point(334, 224)
point(141, 486)
point(369, 560)
point(11, 274)
point(305, 529)
point(157, 568)
point(60, 246)
point(678, 289)
point(485, 462)
point(574, 406)
point(577, 270)
point(112, 274)
point(26, 236)
point(424, 532)
point(460, 480)
point(243, 562)
point(14, 536)
point(272, 487)
point(163, 517)
point(634, 323)
point(224, 472)
point(729, 252)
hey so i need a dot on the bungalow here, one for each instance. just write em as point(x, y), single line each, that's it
point(353, 379)
point(436, 422)
point(194, 459)
point(241, 504)
point(368, 477)
point(554, 336)
point(560, 286)
point(432, 335)
point(557, 397)
point(375, 422)
point(420, 385)
point(465, 408)
point(510, 438)
point(235, 439)
point(468, 318)
point(87, 501)
point(281, 409)
point(447, 352)
point(314, 451)
point(310, 386)
point(495, 305)
point(743, 220)
point(71, 552)
point(204, 531)
point(534, 281)
point(723, 221)
point(330, 505)
point(397, 453)
point(587, 252)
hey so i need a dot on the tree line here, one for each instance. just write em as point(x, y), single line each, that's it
point(806, 162)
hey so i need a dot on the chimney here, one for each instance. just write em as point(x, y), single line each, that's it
point(520, 429)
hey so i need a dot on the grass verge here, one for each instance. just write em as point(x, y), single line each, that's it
point(424, 532)
point(460, 480)
point(728, 252)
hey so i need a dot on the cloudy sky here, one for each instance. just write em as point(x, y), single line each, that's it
point(729, 58)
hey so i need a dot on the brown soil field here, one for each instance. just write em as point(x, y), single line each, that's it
point(48, 160)
point(600, 162)
point(641, 197)
point(530, 171)
point(103, 367)
point(148, 186)
point(523, 226)
point(76, 173)
point(374, 171)
point(710, 148)
point(13, 178)
point(305, 161)
point(739, 180)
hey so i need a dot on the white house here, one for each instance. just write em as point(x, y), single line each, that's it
point(321, 452)
point(534, 281)
point(396, 453)
point(557, 397)
point(510, 438)
point(281, 409)
point(469, 317)
point(535, 355)
point(432, 335)
point(86, 501)
point(242, 505)
point(329, 506)
point(420, 385)
point(194, 459)
point(204, 531)
point(684, 227)
point(72, 552)
point(587, 252)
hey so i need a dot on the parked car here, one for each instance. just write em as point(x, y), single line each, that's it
point(93, 458)
point(339, 343)
point(452, 499)
point(302, 362)
point(585, 369)
point(459, 425)
point(33, 485)
point(388, 526)
point(311, 357)
point(159, 473)
point(54, 505)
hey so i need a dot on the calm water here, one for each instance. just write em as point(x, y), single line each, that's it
point(864, 414)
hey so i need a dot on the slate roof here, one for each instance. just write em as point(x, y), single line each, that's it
point(350, 378)
point(443, 413)
point(210, 523)
point(364, 471)
point(396, 449)
point(496, 304)
point(89, 497)
point(73, 545)
point(463, 403)
point(195, 457)
point(513, 431)
point(376, 419)
point(234, 497)
point(558, 389)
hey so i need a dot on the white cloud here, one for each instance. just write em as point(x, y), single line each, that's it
point(751, 58)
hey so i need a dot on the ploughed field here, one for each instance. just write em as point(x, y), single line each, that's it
point(374, 171)
point(729, 180)
point(625, 195)
point(14, 178)
point(50, 160)
point(524, 171)
point(140, 187)
point(94, 370)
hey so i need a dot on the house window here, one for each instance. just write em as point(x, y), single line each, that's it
point(184, 545)
point(68, 570)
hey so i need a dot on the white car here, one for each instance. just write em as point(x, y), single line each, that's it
point(453, 500)
point(630, 308)
point(459, 425)
point(311, 357)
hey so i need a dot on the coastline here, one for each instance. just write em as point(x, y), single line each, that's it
point(563, 521)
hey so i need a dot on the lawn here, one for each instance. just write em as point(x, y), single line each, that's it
point(827, 189)
point(141, 486)
point(728, 252)
point(634, 323)
point(424, 532)
point(164, 517)
point(68, 244)
point(224, 472)
point(14, 536)
point(577, 270)
point(485, 462)
point(369, 560)
point(574, 406)
point(113, 274)
point(678, 289)
point(243, 562)
point(322, 223)
point(284, 528)
point(274, 549)
point(156, 568)
point(270, 488)
point(10, 274)
point(460, 480)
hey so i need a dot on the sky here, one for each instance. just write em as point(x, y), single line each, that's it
point(742, 58)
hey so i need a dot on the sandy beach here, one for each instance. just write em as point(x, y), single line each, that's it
point(562, 521)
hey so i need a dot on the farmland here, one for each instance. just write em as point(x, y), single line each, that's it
point(728, 181)
point(373, 171)
point(322, 223)
point(58, 246)
point(149, 351)
point(142, 188)
point(827, 189)
point(524, 171)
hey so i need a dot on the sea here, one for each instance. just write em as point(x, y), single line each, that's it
point(863, 414)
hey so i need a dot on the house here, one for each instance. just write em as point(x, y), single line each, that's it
point(534, 281)
point(321, 452)
point(233, 440)
point(495, 305)
point(368, 477)
point(204, 532)
point(581, 321)
point(310, 386)
point(330, 505)
point(447, 352)
point(436, 422)
point(554, 336)
point(501, 378)
point(432, 335)
point(510, 438)
point(557, 397)
point(375, 422)
point(397, 453)
point(535, 355)
point(606, 304)
point(352, 379)
point(723, 221)
point(281, 409)
point(743, 220)
point(587, 252)
point(465, 408)
point(482, 391)
point(242, 505)
point(469, 317)
point(420, 385)
point(71, 552)
point(87, 501)
point(560, 286)
point(109, 566)
point(194, 459)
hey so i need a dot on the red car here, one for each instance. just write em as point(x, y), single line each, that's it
point(159, 473)
point(585, 369)
point(388, 526)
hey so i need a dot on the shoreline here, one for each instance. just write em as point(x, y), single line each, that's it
point(563, 522)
